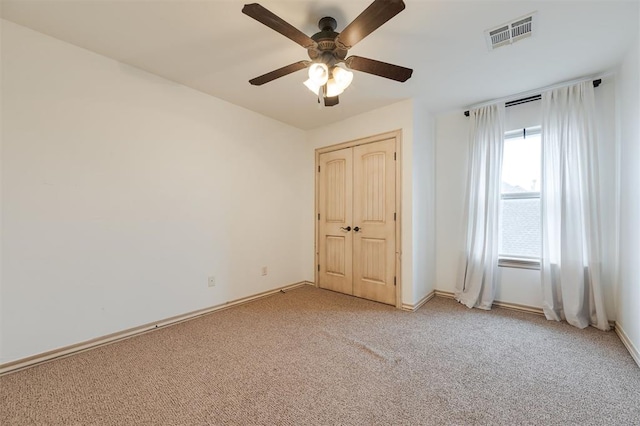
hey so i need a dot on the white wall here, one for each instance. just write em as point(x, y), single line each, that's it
point(519, 286)
point(122, 192)
point(452, 131)
point(424, 248)
point(393, 117)
point(628, 300)
point(605, 96)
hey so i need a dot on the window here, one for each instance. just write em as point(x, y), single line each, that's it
point(520, 227)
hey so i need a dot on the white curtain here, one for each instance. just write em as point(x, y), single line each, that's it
point(571, 232)
point(477, 275)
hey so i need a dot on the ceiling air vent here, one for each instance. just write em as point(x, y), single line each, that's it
point(511, 32)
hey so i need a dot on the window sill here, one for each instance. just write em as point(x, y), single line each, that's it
point(519, 263)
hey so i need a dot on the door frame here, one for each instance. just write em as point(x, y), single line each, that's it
point(397, 136)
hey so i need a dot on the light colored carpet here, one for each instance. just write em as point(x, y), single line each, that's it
point(313, 357)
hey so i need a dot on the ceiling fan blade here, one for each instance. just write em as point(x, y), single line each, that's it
point(331, 101)
point(382, 69)
point(278, 24)
point(378, 12)
point(280, 72)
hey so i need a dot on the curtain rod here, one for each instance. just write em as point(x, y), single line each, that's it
point(596, 83)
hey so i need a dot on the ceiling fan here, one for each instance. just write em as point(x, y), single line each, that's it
point(329, 66)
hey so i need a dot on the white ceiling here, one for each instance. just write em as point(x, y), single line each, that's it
point(214, 48)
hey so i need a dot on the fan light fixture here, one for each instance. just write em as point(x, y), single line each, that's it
point(340, 79)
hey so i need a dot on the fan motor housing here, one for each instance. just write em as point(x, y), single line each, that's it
point(327, 51)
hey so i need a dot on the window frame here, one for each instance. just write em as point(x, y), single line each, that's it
point(507, 260)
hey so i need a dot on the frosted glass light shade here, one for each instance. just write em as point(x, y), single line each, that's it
point(315, 88)
point(319, 73)
point(342, 77)
point(333, 88)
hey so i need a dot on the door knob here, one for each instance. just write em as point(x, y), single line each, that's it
point(356, 229)
point(348, 228)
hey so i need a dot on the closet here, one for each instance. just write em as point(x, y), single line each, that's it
point(357, 219)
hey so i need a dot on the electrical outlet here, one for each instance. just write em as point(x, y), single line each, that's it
point(264, 271)
point(212, 281)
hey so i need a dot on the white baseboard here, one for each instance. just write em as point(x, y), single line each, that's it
point(445, 294)
point(65, 351)
point(518, 307)
point(416, 306)
point(498, 304)
point(635, 354)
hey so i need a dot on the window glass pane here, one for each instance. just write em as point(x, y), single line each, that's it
point(520, 236)
point(521, 164)
point(520, 227)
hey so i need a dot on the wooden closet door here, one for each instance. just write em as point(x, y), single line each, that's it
point(374, 221)
point(335, 206)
